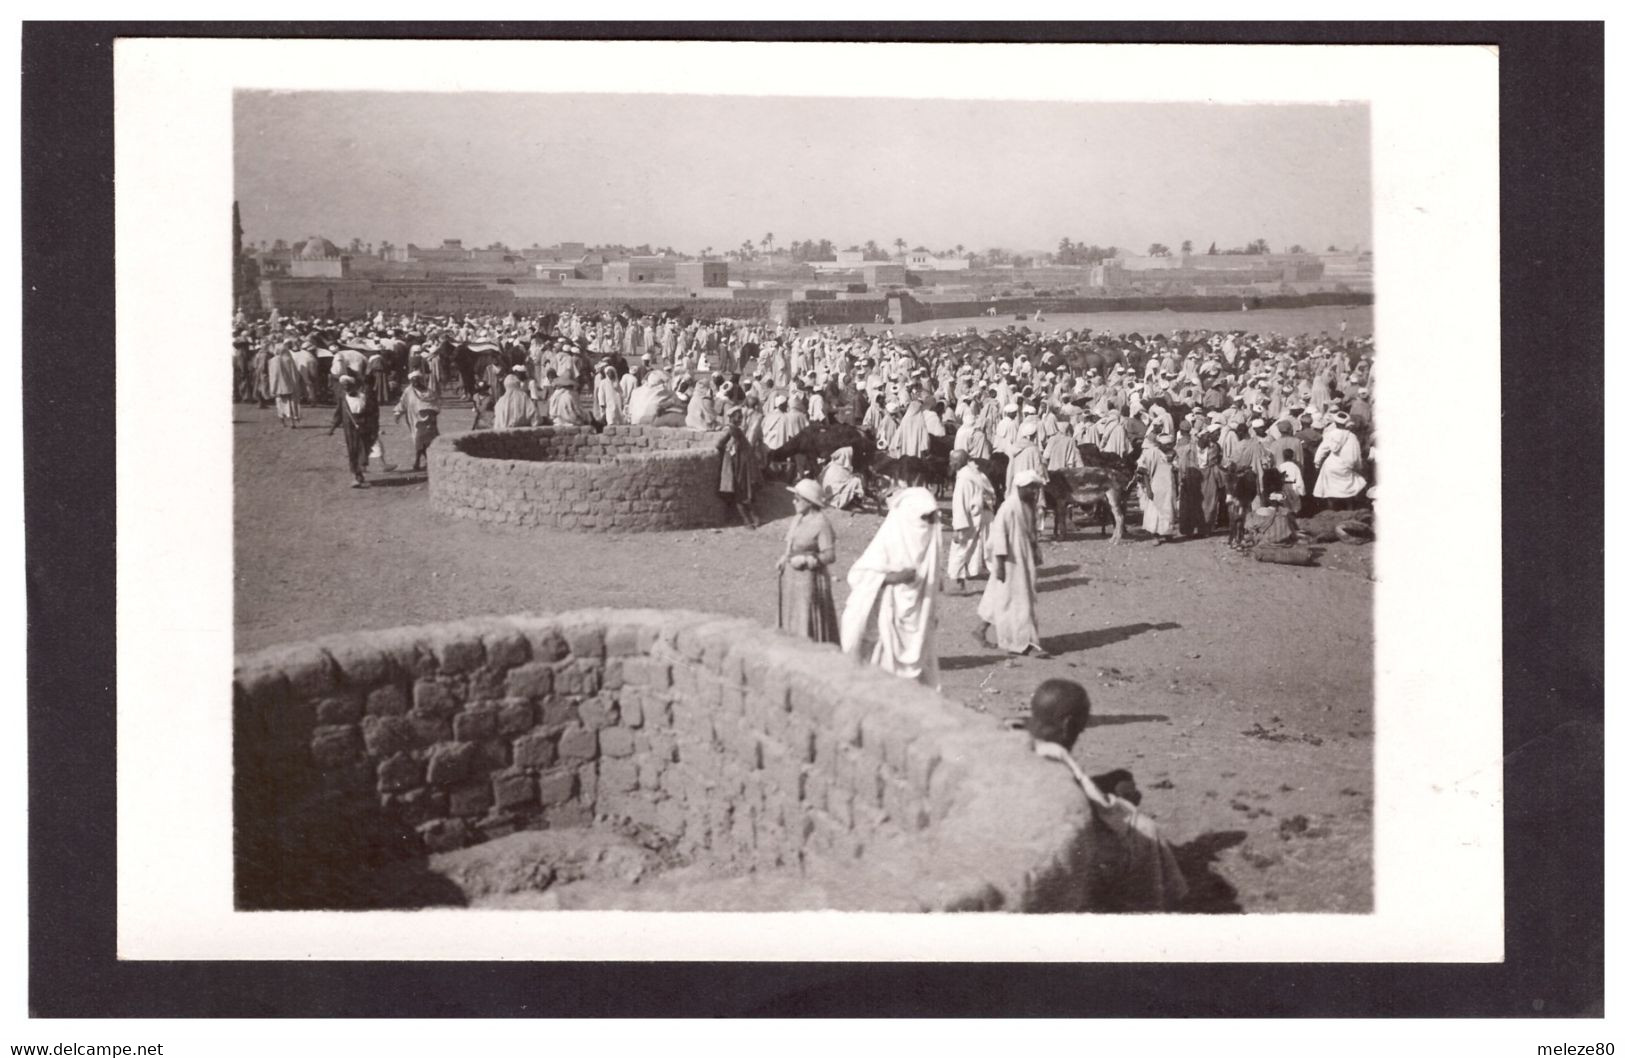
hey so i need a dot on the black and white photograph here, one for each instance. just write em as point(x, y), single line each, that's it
point(877, 524)
point(813, 504)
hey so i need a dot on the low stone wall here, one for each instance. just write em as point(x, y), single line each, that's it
point(742, 749)
point(626, 479)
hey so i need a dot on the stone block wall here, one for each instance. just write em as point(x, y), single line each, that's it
point(742, 749)
point(625, 479)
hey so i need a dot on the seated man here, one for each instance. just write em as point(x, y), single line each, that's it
point(1148, 878)
point(1272, 532)
point(842, 485)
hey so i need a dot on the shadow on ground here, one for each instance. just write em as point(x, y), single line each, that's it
point(1072, 642)
point(1210, 893)
point(971, 661)
point(1113, 719)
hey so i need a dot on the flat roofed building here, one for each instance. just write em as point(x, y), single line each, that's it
point(882, 273)
point(928, 262)
point(700, 275)
point(641, 270)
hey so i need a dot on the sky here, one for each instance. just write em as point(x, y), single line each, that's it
point(712, 171)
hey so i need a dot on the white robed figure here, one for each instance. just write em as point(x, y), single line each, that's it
point(890, 616)
point(1009, 606)
point(1157, 490)
point(842, 485)
point(1338, 458)
point(973, 513)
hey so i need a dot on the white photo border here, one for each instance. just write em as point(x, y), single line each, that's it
point(1438, 826)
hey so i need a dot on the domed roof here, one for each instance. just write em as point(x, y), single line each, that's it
point(315, 248)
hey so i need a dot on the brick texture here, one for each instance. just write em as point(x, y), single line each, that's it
point(626, 479)
point(747, 750)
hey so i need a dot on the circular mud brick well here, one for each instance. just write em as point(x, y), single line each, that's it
point(625, 479)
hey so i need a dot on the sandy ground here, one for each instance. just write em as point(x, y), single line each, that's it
point(1239, 693)
point(1259, 321)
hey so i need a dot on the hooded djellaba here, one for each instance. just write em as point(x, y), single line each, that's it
point(890, 617)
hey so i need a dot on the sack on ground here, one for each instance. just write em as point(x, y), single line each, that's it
point(1298, 555)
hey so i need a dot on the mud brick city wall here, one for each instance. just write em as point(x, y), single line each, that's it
point(914, 310)
point(626, 479)
point(699, 308)
point(807, 313)
point(348, 298)
point(743, 749)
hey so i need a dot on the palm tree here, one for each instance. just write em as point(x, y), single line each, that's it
point(1185, 247)
point(767, 243)
point(871, 249)
point(959, 249)
point(900, 244)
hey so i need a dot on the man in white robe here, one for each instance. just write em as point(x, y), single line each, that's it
point(1062, 451)
point(514, 409)
point(1111, 436)
point(1339, 462)
point(781, 424)
point(1157, 488)
point(1026, 456)
point(562, 406)
point(843, 488)
point(1010, 602)
point(286, 385)
point(972, 515)
point(1006, 436)
point(914, 433)
point(972, 439)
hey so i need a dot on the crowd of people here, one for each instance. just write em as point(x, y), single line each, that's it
point(1214, 431)
point(1184, 408)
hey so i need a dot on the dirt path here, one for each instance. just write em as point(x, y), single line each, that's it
point(1239, 694)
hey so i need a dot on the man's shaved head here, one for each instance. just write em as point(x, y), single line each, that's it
point(1060, 711)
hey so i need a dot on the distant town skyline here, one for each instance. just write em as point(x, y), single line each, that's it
point(695, 172)
point(761, 250)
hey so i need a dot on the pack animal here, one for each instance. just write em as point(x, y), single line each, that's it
point(929, 470)
point(811, 448)
point(1098, 485)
